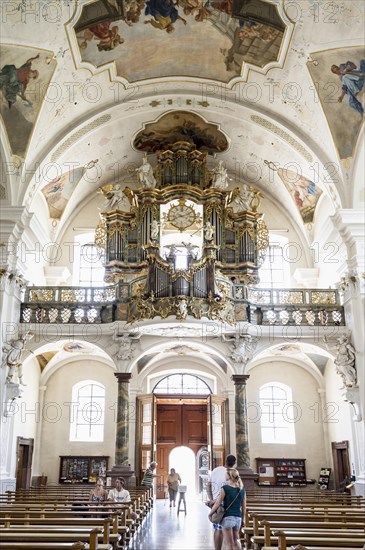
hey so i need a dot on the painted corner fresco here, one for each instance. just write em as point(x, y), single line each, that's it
point(58, 192)
point(303, 191)
point(180, 126)
point(24, 79)
point(339, 77)
point(198, 38)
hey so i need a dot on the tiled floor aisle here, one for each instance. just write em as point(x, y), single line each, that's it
point(164, 529)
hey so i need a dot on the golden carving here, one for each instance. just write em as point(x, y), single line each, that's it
point(148, 308)
point(100, 234)
point(323, 297)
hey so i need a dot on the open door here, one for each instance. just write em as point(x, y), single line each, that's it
point(24, 456)
point(216, 431)
point(341, 464)
point(146, 437)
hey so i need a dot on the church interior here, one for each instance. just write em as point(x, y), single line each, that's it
point(182, 244)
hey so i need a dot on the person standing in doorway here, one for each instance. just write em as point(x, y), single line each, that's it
point(216, 481)
point(173, 482)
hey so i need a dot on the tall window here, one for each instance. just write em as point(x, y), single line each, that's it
point(88, 411)
point(89, 259)
point(275, 271)
point(278, 414)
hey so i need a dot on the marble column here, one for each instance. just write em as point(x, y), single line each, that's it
point(121, 467)
point(122, 435)
point(242, 445)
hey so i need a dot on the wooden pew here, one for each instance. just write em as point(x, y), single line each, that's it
point(9, 539)
point(321, 539)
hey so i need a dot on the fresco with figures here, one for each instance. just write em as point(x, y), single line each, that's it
point(24, 79)
point(181, 126)
point(209, 39)
point(304, 192)
point(58, 192)
point(339, 77)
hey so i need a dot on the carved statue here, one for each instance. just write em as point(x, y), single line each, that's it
point(220, 177)
point(145, 174)
point(345, 360)
point(125, 348)
point(244, 198)
point(155, 229)
point(182, 308)
point(13, 355)
point(209, 231)
point(172, 249)
point(190, 249)
point(115, 198)
point(241, 349)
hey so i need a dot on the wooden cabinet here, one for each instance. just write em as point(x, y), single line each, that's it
point(281, 471)
point(82, 469)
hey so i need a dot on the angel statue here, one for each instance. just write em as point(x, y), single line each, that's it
point(145, 174)
point(220, 177)
point(115, 197)
point(155, 229)
point(182, 308)
point(244, 198)
point(209, 231)
point(345, 360)
point(12, 358)
point(190, 249)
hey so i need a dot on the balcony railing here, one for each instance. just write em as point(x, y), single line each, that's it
point(90, 305)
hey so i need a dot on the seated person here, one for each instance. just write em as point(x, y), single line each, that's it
point(99, 493)
point(119, 494)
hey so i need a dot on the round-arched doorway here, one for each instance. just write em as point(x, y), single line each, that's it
point(184, 461)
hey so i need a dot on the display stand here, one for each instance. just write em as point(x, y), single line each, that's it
point(324, 478)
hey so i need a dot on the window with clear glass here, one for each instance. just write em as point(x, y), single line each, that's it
point(182, 383)
point(278, 414)
point(91, 271)
point(275, 271)
point(88, 262)
point(88, 411)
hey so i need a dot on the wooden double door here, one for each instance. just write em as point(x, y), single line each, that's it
point(178, 425)
point(168, 422)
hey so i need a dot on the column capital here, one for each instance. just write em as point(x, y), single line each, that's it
point(123, 377)
point(240, 379)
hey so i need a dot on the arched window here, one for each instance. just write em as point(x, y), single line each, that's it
point(87, 411)
point(182, 383)
point(275, 271)
point(278, 413)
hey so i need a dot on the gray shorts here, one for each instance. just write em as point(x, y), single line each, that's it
point(231, 522)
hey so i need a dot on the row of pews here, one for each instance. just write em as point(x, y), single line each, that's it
point(57, 518)
point(303, 520)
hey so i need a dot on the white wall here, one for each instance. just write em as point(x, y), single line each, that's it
point(26, 412)
point(308, 430)
point(55, 434)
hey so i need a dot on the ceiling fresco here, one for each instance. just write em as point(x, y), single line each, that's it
point(339, 77)
point(149, 39)
point(24, 79)
point(181, 126)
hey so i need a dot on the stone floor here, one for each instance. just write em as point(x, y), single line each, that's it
point(165, 529)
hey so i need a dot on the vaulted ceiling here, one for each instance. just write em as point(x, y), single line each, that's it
point(102, 74)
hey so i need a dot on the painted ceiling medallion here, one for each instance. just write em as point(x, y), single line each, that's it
point(181, 126)
point(153, 39)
